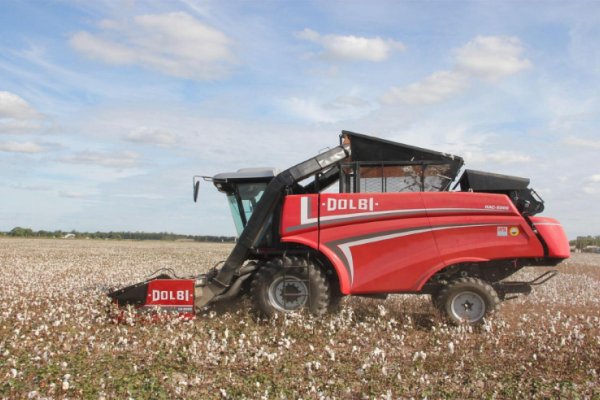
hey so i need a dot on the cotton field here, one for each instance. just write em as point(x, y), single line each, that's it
point(58, 339)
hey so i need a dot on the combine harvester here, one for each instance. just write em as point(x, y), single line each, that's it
point(401, 222)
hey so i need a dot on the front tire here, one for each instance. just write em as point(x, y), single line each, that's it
point(468, 301)
point(283, 286)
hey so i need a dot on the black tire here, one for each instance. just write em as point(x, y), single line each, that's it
point(467, 301)
point(279, 289)
point(436, 301)
point(336, 297)
point(335, 303)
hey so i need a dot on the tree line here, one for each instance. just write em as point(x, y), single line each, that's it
point(583, 241)
point(28, 232)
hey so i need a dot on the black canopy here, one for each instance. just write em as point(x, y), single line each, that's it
point(371, 149)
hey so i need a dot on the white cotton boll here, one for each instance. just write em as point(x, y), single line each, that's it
point(65, 385)
point(451, 347)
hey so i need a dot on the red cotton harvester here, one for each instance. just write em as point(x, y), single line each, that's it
point(403, 221)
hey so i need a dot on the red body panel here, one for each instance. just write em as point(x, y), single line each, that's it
point(176, 295)
point(554, 236)
point(394, 242)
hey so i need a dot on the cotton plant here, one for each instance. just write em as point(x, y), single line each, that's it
point(58, 339)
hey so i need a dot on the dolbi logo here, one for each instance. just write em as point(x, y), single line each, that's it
point(170, 295)
point(365, 204)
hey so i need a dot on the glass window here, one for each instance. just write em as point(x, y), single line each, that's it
point(249, 195)
point(235, 213)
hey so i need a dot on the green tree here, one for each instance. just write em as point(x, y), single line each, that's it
point(21, 232)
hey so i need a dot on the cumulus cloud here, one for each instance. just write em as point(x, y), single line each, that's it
point(491, 57)
point(592, 185)
point(351, 48)
point(434, 88)
point(478, 157)
point(34, 187)
point(346, 102)
point(581, 142)
point(143, 196)
point(13, 106)
point(340, 108)
point(17, 115)
point(486, 57)
point(594, 178)
point(24, 147)
point(125, 159)
point(150, 136)
point(174, 43)
point(508, 157)
point(72, 195)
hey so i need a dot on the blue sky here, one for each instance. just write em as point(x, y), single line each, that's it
point(108, 108)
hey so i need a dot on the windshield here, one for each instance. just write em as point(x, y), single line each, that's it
point(243, 201)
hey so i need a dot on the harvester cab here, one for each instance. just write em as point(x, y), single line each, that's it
point(244, 190)
point(396, 224)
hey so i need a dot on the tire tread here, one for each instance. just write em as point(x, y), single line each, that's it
point(319, 291)
point(490, 296)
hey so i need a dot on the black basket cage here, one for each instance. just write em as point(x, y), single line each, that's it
point(390, 176)
point(379, 165)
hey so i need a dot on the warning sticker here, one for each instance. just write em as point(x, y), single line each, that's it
point(502, 231)
point(514, 231)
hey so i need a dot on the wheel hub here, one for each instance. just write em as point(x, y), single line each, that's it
point(288, 293)
point(468, 306)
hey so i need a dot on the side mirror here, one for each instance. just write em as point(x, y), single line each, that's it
point(196, 189)
point(196, 184)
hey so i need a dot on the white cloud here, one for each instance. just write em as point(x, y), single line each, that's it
point(174, 43)
point(341, 108)
point(491, 57)
point(14, 107)
point(485, 57)
point(594, 178)
point(111, 160)
point(434, 88)
point(24, 147)
point(508, 157)
point(72, 195)
point(346, 102)
point(150, 136)
point(479, 156)
point(592, 184)
point(352, 48)
point(17, 115)
point(32, 187)
point(143, 196)
point(581, 142)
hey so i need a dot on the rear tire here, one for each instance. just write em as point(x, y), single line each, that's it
point(279, 289)
point(467, 301)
